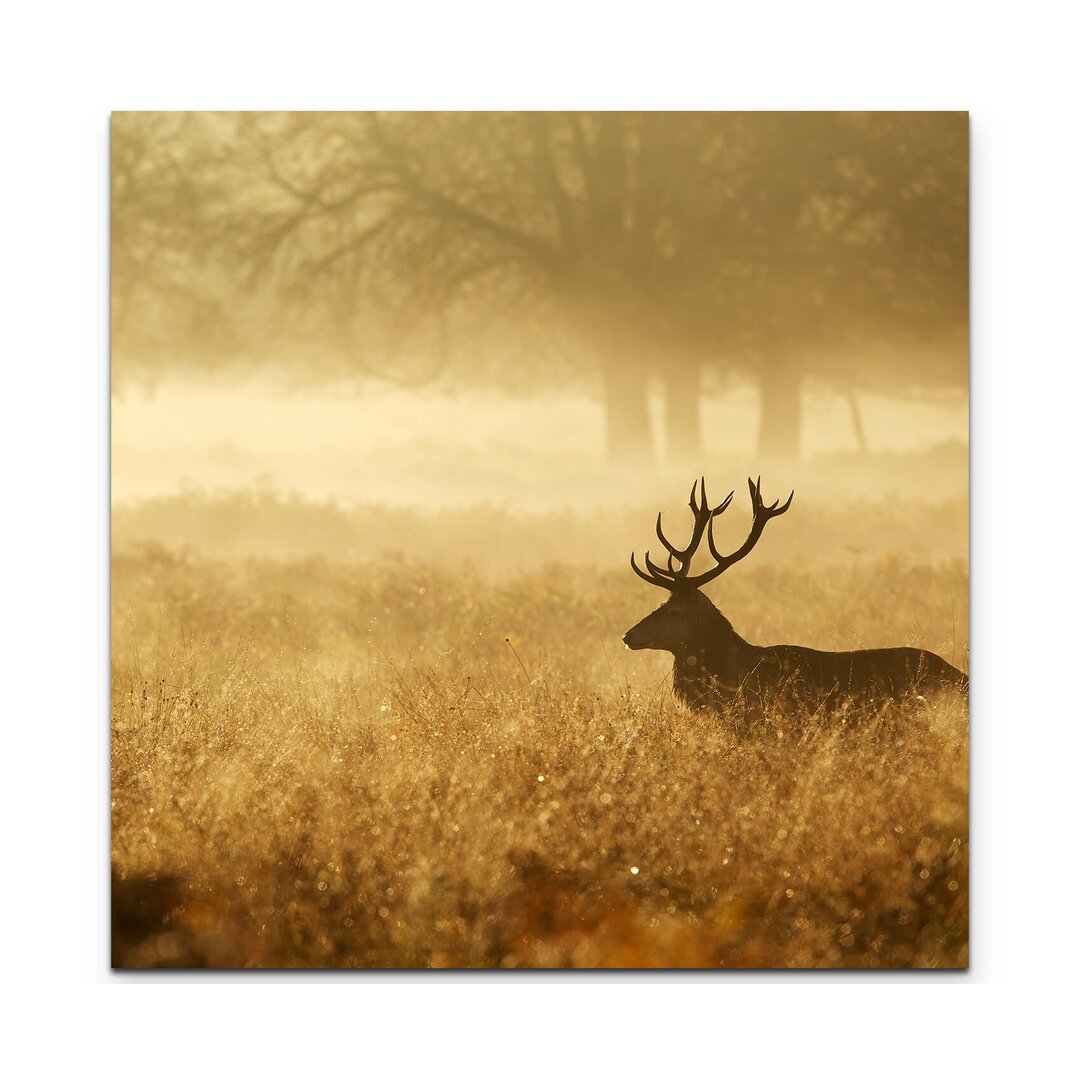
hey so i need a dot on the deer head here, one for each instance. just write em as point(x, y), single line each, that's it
point(681, 620)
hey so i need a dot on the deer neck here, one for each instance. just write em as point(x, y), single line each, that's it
point(716, 652)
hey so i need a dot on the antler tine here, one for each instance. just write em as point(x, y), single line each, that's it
point(702, 515)
point(657, 575)
point(712, 547)
point(659, 571)
point(762, 515)
point(709, 533)
point(759, 503)
point(678, 577)
point(646, 577)
point(672, 549)
point(637, 570)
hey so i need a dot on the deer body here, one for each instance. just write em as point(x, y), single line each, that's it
point(715, 667)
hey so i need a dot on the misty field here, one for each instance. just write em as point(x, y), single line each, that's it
point(406, 762)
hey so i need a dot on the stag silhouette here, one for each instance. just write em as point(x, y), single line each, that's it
point(715, 667)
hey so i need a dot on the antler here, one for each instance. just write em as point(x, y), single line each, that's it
point(677, 577)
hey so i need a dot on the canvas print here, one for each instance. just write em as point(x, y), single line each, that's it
point(539, 540)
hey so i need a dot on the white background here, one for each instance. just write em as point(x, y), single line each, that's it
point(66, 66)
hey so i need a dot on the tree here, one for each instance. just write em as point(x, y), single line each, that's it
point(853, 248)
point(163, 297)
point(521, 249)
point(534, 238)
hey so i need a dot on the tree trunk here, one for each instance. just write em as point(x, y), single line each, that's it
point(780, 434)
point(856, 421)
point(682, 416)
point(629, 433)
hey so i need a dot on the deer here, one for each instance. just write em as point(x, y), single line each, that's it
point(716, 669)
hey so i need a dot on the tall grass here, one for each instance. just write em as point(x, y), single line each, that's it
point(338, 763)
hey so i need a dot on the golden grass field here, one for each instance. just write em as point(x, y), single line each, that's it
point(341, 763)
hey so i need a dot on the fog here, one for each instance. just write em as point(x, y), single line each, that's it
point(409, 448)
point(534, 314)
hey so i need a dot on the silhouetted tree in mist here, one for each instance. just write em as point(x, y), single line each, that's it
point(850, 266)
point(164, 297)
point(508, 239)
point(531, 249)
